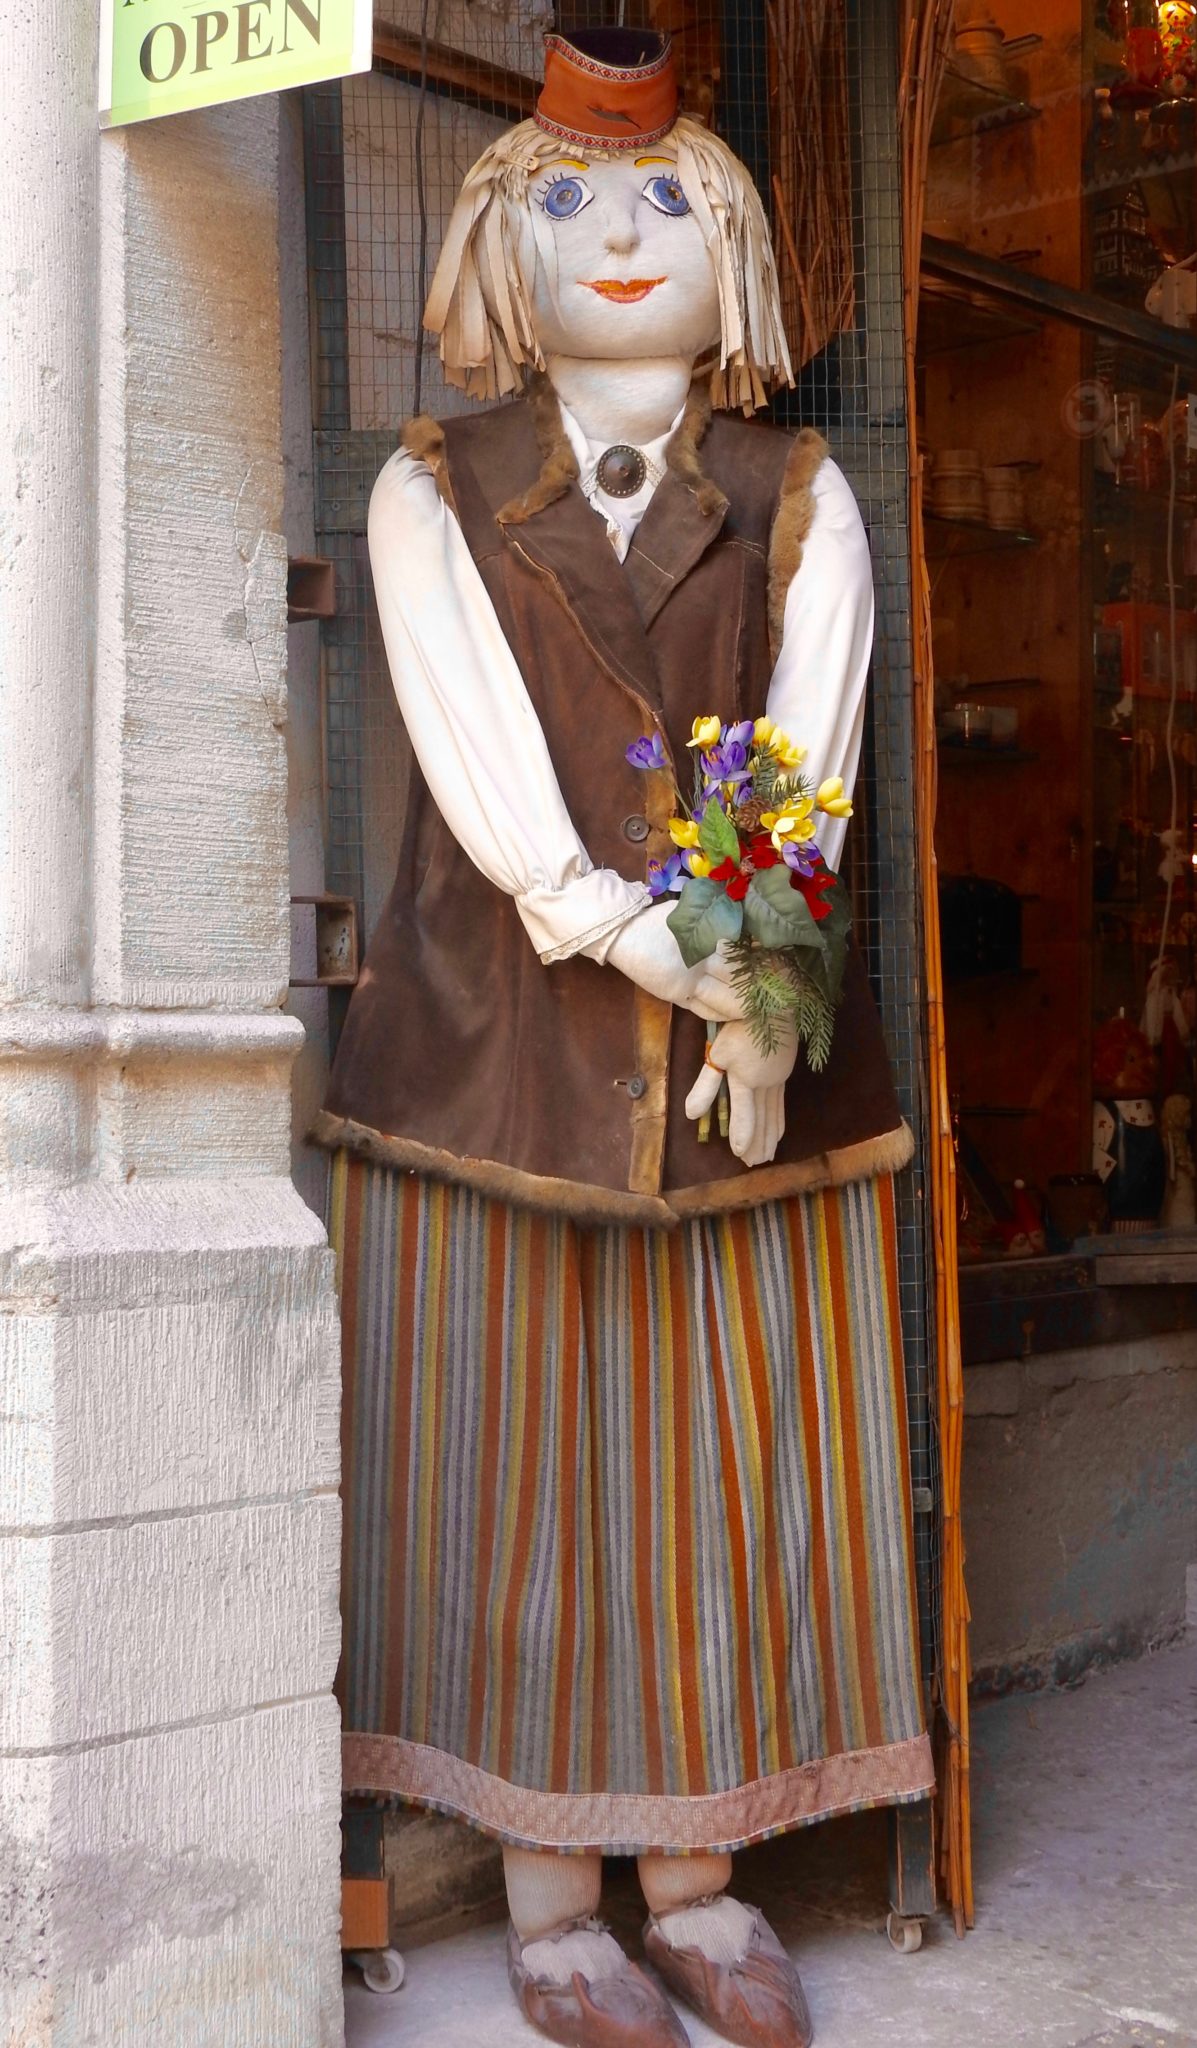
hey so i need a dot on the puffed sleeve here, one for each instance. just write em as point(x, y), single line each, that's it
point(817, 693)
point(472, 724)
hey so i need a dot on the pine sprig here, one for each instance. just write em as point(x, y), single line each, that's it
point(777, 995)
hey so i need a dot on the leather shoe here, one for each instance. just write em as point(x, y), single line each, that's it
point(758, 2002)
point(626, 2010)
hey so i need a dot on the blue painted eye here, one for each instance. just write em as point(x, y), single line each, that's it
point(565, 197)
point(667, 196)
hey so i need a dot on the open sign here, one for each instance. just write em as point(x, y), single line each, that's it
point(168, 56)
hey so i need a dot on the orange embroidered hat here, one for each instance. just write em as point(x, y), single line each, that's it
point(608, 88)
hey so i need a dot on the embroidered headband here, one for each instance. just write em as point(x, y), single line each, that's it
point(608, 88)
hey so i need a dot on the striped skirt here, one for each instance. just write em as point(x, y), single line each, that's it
point(628, 1534)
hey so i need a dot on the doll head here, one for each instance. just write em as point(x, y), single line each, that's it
point(608, 228)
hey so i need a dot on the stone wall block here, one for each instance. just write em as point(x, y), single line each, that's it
point(1080, 1485)
point(182, 1404)
point(175, 1619)
point(191, 871)
point(161, 1890)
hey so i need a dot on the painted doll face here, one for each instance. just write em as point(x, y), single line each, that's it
point(623, 270)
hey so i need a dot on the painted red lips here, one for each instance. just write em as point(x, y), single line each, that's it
point(622, 291)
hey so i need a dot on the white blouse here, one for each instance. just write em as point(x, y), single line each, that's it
point(471, 721)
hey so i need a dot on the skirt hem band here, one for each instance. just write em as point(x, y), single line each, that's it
point(636, 1823)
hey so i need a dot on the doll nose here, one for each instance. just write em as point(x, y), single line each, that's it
point(620, 233)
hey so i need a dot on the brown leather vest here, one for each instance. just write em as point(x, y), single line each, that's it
point(563, 1087)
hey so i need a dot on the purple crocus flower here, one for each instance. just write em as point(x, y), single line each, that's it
point(647, 752)
point(803, 859)
point(666, 878)
point(727, 762)
point(740, 735)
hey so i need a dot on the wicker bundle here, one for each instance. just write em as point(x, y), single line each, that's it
point(812, 182)
point(927, 26)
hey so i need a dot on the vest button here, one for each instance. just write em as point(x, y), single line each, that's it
point(635, 828)
point(637, 1087)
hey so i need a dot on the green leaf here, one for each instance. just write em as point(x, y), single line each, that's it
point(776, 914)
point(835, 929)
point(717, 836)
point(704, 917)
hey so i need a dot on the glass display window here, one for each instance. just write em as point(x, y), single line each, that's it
point(1058, 399)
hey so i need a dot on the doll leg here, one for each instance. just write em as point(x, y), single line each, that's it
point(721, 1957)
point(570, 1976)
point(546, 1892)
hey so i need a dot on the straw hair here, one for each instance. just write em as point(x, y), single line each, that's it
point(480, 303)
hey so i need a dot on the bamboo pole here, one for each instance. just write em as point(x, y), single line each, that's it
point(927, 27)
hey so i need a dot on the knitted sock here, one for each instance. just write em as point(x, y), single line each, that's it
point(687, 1896)
point(669, 1882)
point(546, 1895)
point(544, 1889)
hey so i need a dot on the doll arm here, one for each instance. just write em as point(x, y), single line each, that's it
point(472, 724)
point(817, 694)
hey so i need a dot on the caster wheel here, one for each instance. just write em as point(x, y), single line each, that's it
point(382, 1969)
point(904, 1935)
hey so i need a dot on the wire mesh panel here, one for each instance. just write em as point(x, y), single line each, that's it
point(386, 157)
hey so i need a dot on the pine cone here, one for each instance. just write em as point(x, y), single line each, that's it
point(747, 816)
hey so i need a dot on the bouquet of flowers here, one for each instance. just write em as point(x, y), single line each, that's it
point(748, 873)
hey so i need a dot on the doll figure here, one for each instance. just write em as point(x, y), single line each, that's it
point(1128, 1154)
point(629, 1559)
point(1180, 1203)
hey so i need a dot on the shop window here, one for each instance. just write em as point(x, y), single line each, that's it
point(1057, 373)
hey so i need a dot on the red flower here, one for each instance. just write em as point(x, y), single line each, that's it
point(764, 853)
point(812, 889)
point(737, 881)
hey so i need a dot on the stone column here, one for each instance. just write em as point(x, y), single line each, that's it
point(168, 1367)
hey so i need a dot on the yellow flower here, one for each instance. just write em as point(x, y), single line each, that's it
point(795, 822)
point(706, 733)
point(763, 731)
point(699, 865)
point(830, 798)
point(785, 753)
point(768, 820)
point(683, 831)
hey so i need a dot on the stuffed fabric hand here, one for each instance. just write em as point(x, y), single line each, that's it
point(646, 951)
point(756, 1083)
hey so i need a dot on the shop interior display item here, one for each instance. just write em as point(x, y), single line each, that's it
point(1024, 1234)
point(1076, 1208)
point(1179, 1211)
point(980, 45)
point(1005, 496)
point(1128, 1152)
point(957, 484)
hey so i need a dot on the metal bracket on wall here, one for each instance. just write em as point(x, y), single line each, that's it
point(311, 589)
point(336, 946)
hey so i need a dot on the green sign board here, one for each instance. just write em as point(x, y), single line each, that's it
point(168, 56)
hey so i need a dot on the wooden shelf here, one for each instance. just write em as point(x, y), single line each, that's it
point(972, 689)
point(959, 751)
point(953, 317)
point(967, 107)
point(949, 538)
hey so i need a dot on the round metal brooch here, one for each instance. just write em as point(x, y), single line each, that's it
point(621, 471)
